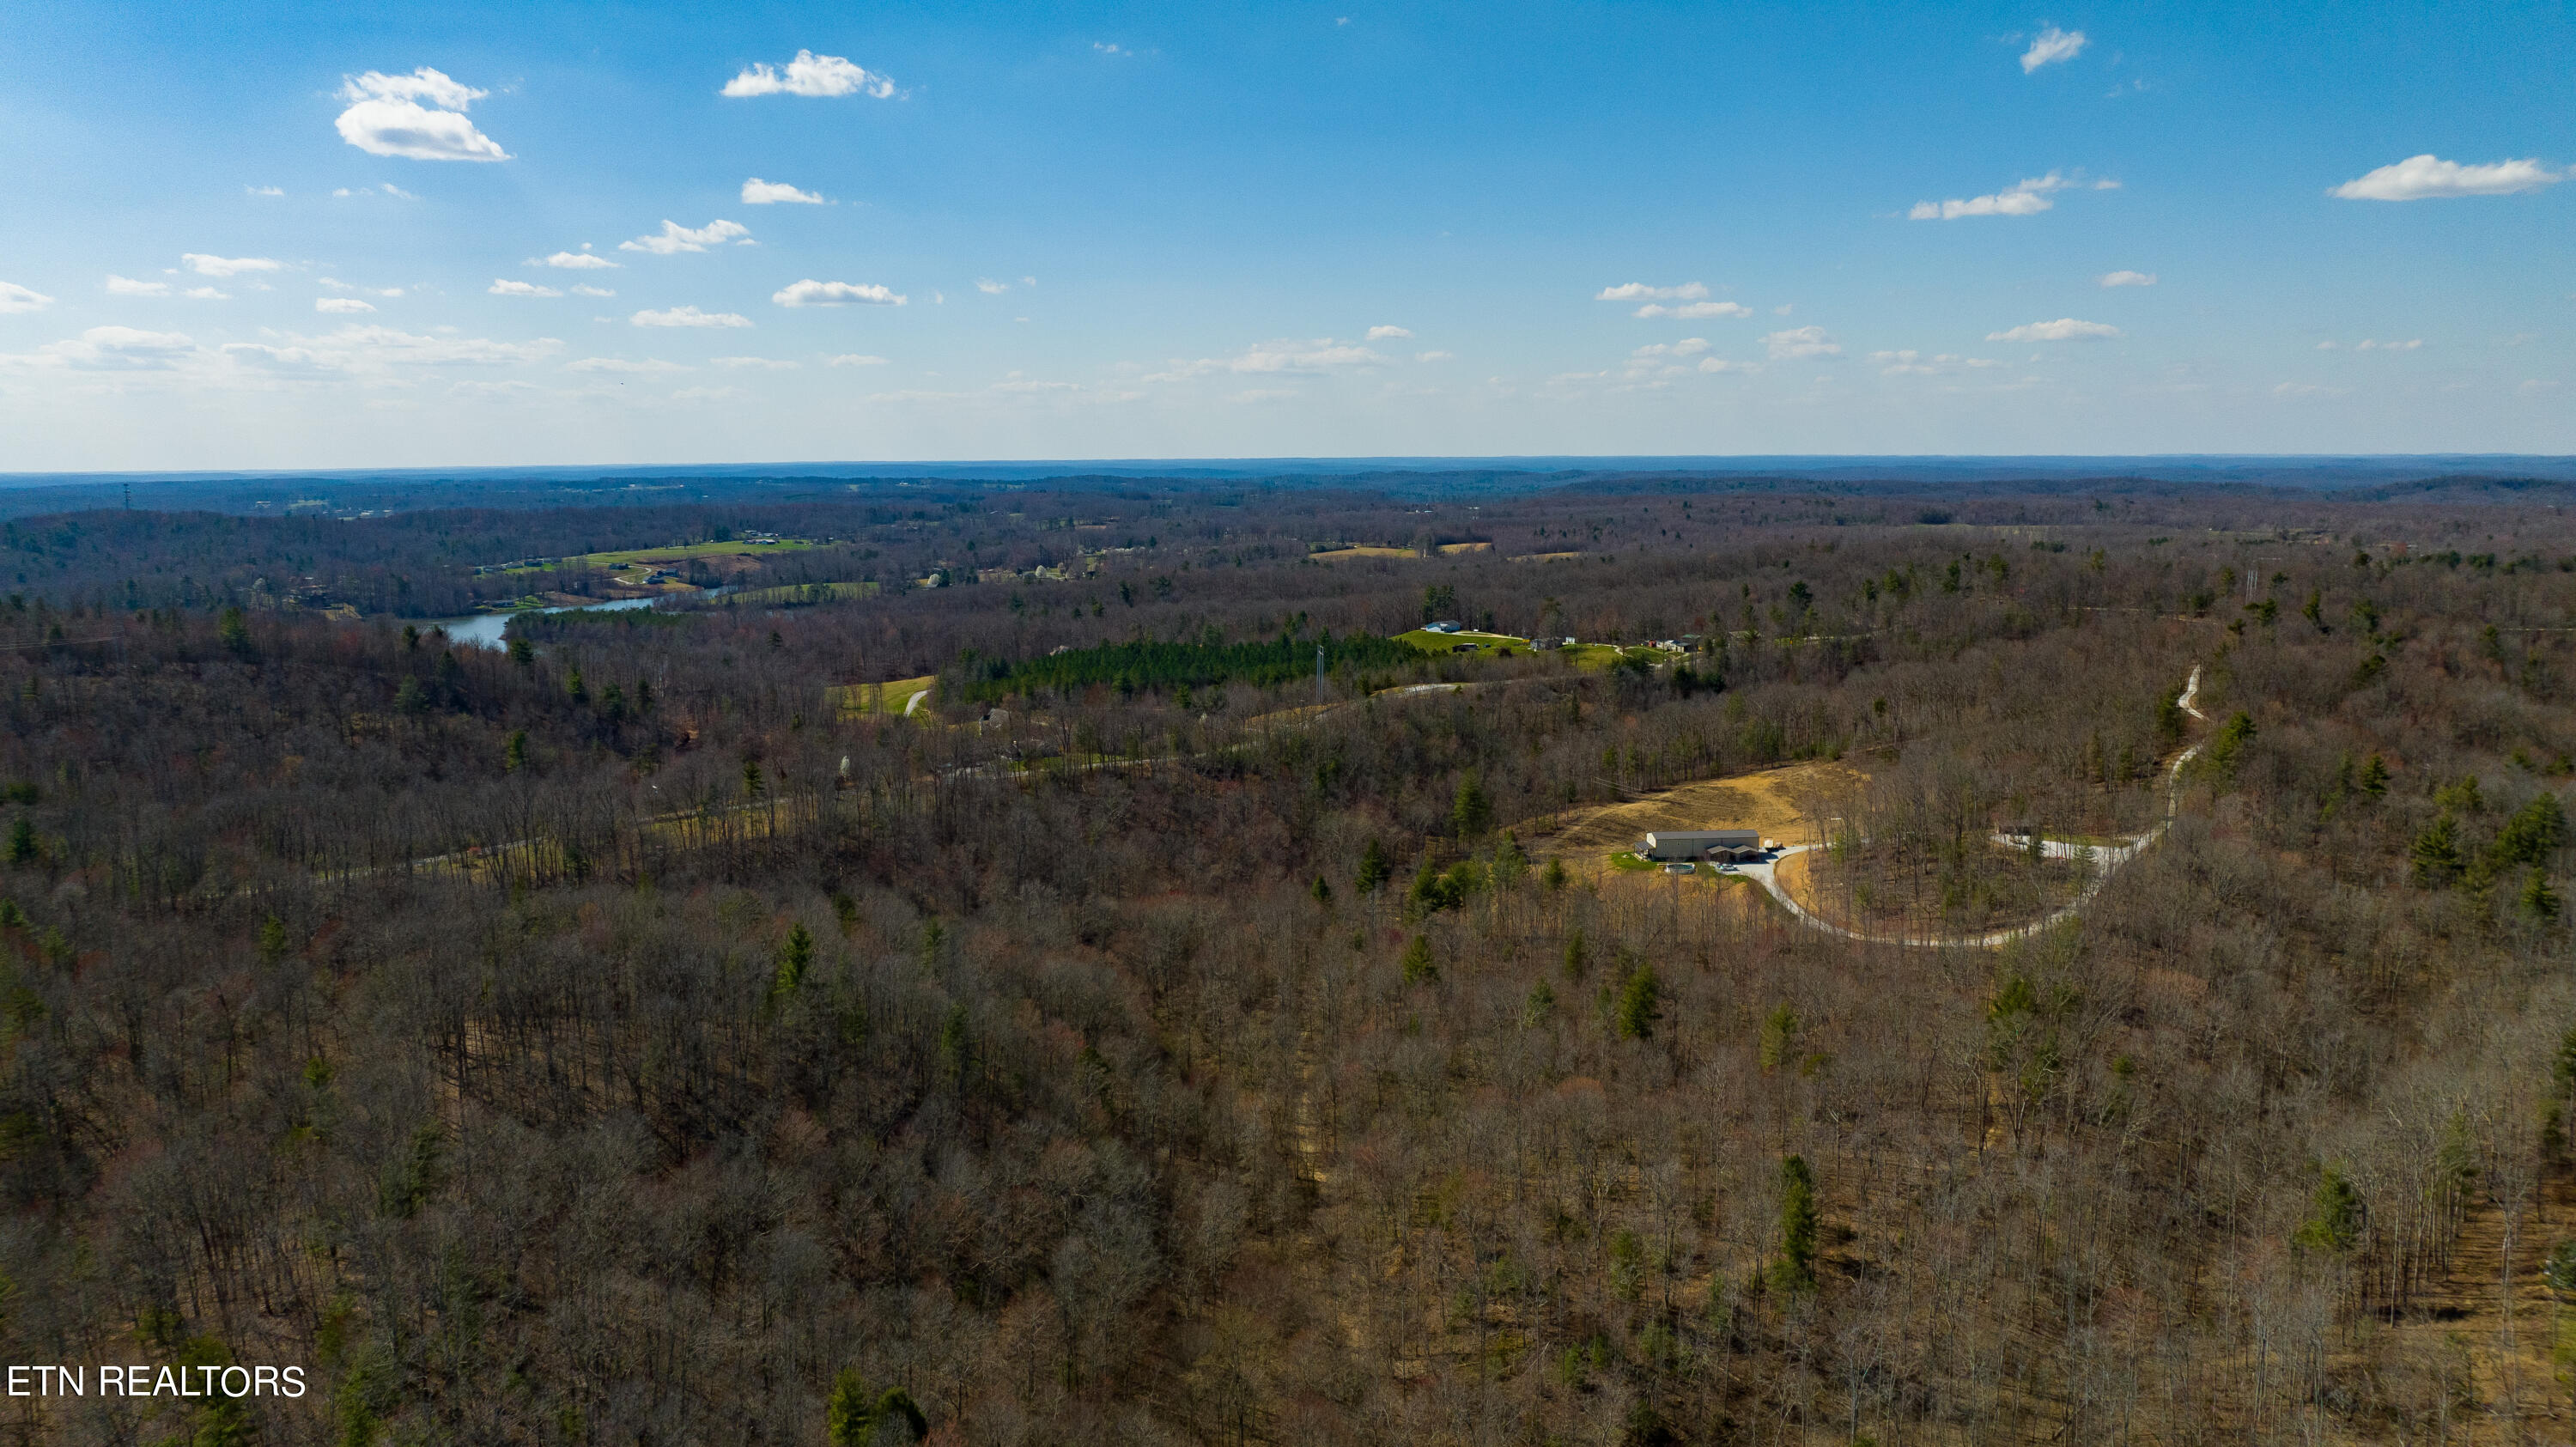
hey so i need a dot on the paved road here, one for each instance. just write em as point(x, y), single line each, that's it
point(2107, 859)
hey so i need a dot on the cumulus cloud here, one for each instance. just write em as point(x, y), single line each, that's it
point(2052, 46)
point(2128, 278)
point(757, 192)
point(2064, 329)
point(1808, 341)
point(990, 287)
point(204, 265)
point(592, 291)
point(1435, 356)
point(578, 261)
point(676, 238)
point(502, 286)
point(16, 298)
point(333, 283)
point(810, 292)
point(689, 316)
point(854, 359)
point(810, 75)
point(620, 364)
point(341, 305)
point(1686, 347)
point(1387, 334)
point(265, 190)
point(2420, 178)
point(1639, 291)
point(766, 364)
point(1721, 364)
point(2027, 197)
point(1691, 311)
point(2368, 344)
point(386, 117)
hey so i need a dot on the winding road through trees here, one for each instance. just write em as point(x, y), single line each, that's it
point(2107, 860)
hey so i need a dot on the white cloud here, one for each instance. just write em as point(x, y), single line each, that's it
point(766, 364)
point(1639, 291)
point(578, 261)
point(341, 305)
point(204, 265)
point(1809, 341)
point(391, 189)
point(1388, 334)
point(676, 238)
point(365, 348)
point(2368, 344)
point(422, 84)
point(620, 364)
point(1686, 347)
point(2128, 278)
point(502, 286)
point(1721, 364)
point(1435, 356)
point(264, 190)
point(990, 287)
point(757, 192)
point(2419, 178)
point(1693, 311)
point(2064, 329)
point(689, 316)
point(1913, 363)
point(2052, 46)
point(128, 286)
point(810, 292)
point(1291, 358)
point(592, 291)
point(122, 349)
point(333, 283)
point(2027, 197)
point(386, 118)
point(854, 359)
point(810, 75)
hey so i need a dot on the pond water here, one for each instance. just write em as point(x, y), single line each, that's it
point(483, 630)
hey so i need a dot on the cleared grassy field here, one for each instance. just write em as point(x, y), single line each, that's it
point(1336, 555)
point(1774, 801)
point(1430, 642)
point(677, 553)
point(895, 696)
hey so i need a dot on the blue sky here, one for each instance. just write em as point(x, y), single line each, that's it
point(318, 236)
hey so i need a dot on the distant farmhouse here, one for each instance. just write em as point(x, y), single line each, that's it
point(1722, 846)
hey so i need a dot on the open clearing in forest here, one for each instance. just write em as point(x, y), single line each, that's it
point(1773, 801)
point(892, 696)
point(677, 552)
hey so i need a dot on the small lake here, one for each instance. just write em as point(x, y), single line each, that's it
point(483, 630)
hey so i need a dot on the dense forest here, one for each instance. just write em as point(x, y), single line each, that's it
point(641, 1033)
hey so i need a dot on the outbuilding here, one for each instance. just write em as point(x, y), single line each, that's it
point(1722, 844)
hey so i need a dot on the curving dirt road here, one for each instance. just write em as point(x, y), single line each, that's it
point(2106, 861)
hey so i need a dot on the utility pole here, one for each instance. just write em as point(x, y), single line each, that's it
point(1319, 670)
